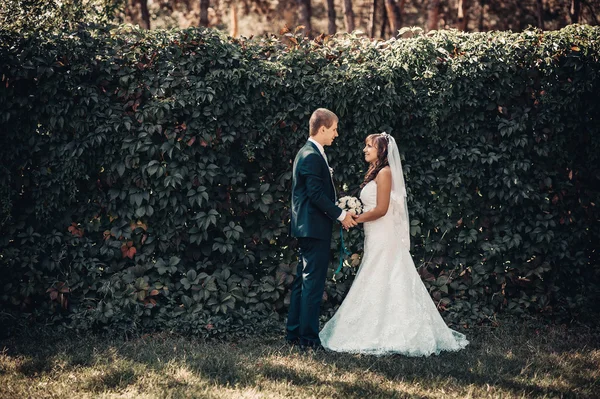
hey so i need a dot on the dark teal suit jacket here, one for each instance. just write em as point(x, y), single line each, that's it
point(313, 196)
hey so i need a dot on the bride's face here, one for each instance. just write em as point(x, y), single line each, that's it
point(370, 151)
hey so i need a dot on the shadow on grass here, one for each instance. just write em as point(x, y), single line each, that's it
point(503, 362)
point(219, 370)
point(113, 379)
point(521, 363)
point(362, 388)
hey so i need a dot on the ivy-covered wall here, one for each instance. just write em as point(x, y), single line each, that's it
point(145, 176)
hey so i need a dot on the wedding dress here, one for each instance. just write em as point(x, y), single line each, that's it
point(388, 309)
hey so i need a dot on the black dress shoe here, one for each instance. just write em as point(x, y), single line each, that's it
point(295, 341)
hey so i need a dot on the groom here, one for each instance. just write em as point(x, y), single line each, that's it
point(313, 214)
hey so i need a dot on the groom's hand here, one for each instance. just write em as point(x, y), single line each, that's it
point(349, 221)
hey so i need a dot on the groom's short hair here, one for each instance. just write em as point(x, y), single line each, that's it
point(321, 117)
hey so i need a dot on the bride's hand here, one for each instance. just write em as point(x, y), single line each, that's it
point(348, 221)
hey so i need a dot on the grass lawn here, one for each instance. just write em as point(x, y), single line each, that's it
point(513, 360)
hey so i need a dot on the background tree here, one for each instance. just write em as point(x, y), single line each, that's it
point(304, 15)
point(204, 12)
point(462, 14)
point(145, 13)
point(481, 15)
point(377, 18)
point(540, 13)
point(394, 11)
point(433, 14)
point(234, 28)
point(574, 11)
point(384, 20)
point(348, 16)
point(372, 18)
point(331, 26)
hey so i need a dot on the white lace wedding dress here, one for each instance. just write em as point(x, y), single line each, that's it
point(388, 309)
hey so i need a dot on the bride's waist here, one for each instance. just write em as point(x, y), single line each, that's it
point(384, 230)
point(385, 219)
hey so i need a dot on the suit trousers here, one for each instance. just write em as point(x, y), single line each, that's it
point(307, 291)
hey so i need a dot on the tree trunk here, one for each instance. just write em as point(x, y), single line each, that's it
point(394, 12)
point(481, 15)
point(348, 16)
point(204, 12)
point(372, 19)
point(592, 13)
point(304, 15)
point(331, 28)
point(145, 13)
point(129, 12)
point(540, 14)
point(234, 32)
point(463, 15)
point(574, 11)
point(384, 24)
point(433, 14)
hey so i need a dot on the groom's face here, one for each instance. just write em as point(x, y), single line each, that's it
point(329, 134)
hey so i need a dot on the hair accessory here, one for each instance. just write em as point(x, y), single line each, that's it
point(385, 135)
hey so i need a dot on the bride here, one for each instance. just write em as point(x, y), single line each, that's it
point(388, 309)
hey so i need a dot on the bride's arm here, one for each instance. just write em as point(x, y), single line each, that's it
point(384, 188)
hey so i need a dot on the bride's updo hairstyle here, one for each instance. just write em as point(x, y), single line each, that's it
point(379, 141)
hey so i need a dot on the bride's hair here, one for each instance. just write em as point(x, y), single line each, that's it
point(381, 143)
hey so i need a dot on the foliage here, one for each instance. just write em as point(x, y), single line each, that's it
point(147, 174)
point(55, 15)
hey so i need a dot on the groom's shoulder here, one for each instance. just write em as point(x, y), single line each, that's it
point(307, 149)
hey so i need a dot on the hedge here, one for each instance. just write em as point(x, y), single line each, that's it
point(146, 175)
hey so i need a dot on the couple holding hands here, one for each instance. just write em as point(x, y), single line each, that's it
point(388, 309)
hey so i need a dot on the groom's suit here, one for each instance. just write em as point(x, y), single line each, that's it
point(313, 214)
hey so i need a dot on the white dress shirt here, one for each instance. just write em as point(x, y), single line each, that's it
point(322, 151)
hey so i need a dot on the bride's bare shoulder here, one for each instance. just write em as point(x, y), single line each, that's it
point(384, 173)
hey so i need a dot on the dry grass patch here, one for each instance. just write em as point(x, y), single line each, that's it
point(510, 361)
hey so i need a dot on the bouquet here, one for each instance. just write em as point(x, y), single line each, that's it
point(349, 203)
point(353, 204)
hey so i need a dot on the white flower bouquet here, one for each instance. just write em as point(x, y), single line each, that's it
point(349, 203)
